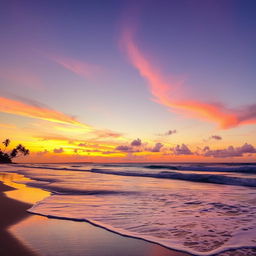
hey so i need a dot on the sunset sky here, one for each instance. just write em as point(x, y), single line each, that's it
point(118, 81)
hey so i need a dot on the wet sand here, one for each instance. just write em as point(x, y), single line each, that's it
point(11, 212)
point(61, 237)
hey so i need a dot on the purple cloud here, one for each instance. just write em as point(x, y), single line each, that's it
point(124, 148)
point(247, 115)
point(182, 150)
point(168, 133)
point(206, 148)
point(136, 143)
point(58, 150)
point(216, 137)
point(107, 134)
point(108, 152)
point(231, 151)
point(40, 153)
point(157, 147)
point(82, 144)
point(91, 150)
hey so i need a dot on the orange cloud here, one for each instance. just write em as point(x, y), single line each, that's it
point(34, 111)
point(101, 134)
point(78, 67)
point(161, 90)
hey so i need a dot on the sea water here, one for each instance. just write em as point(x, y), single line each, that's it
point(202, 209)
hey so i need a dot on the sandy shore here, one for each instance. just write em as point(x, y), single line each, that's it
point(11, 212)
point(60, 237)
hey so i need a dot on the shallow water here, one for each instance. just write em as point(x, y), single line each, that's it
point(158, 203)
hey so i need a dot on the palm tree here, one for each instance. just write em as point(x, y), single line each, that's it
point(7, 157)
point(26, 152)
point(14, 153)
point(19, 149)
point(6, 143)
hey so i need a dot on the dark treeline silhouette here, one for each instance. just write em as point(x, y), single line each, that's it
point(6, 157)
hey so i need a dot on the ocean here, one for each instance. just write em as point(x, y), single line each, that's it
point(199, 208)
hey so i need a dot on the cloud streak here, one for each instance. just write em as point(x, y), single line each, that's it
point(22, 108)
point(21, 77)
point(161, 90)
point(168, 133)
point(106, 134)
point(81, 68)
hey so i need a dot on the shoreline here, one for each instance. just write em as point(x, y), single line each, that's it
point(12, 211)
point(26, 234)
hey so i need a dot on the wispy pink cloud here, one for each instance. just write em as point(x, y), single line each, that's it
point(106, 134)
point(81, 68)
point(21, 77)
point(162, 90)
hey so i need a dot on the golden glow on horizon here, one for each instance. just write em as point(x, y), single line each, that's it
point(70, 150)
point(67, 149)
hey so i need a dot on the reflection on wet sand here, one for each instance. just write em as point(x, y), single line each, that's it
point(22, 192)
point(65, 238)
point(53, 237)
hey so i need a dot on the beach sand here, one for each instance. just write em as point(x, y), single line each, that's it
point(25, 234)
point(11, 212)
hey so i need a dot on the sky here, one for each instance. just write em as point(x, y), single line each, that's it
point(129, 81)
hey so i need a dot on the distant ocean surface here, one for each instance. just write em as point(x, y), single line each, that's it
point(202, 209)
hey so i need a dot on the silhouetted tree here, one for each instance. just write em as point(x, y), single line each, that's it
point(16, 152)
point(6, 143)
